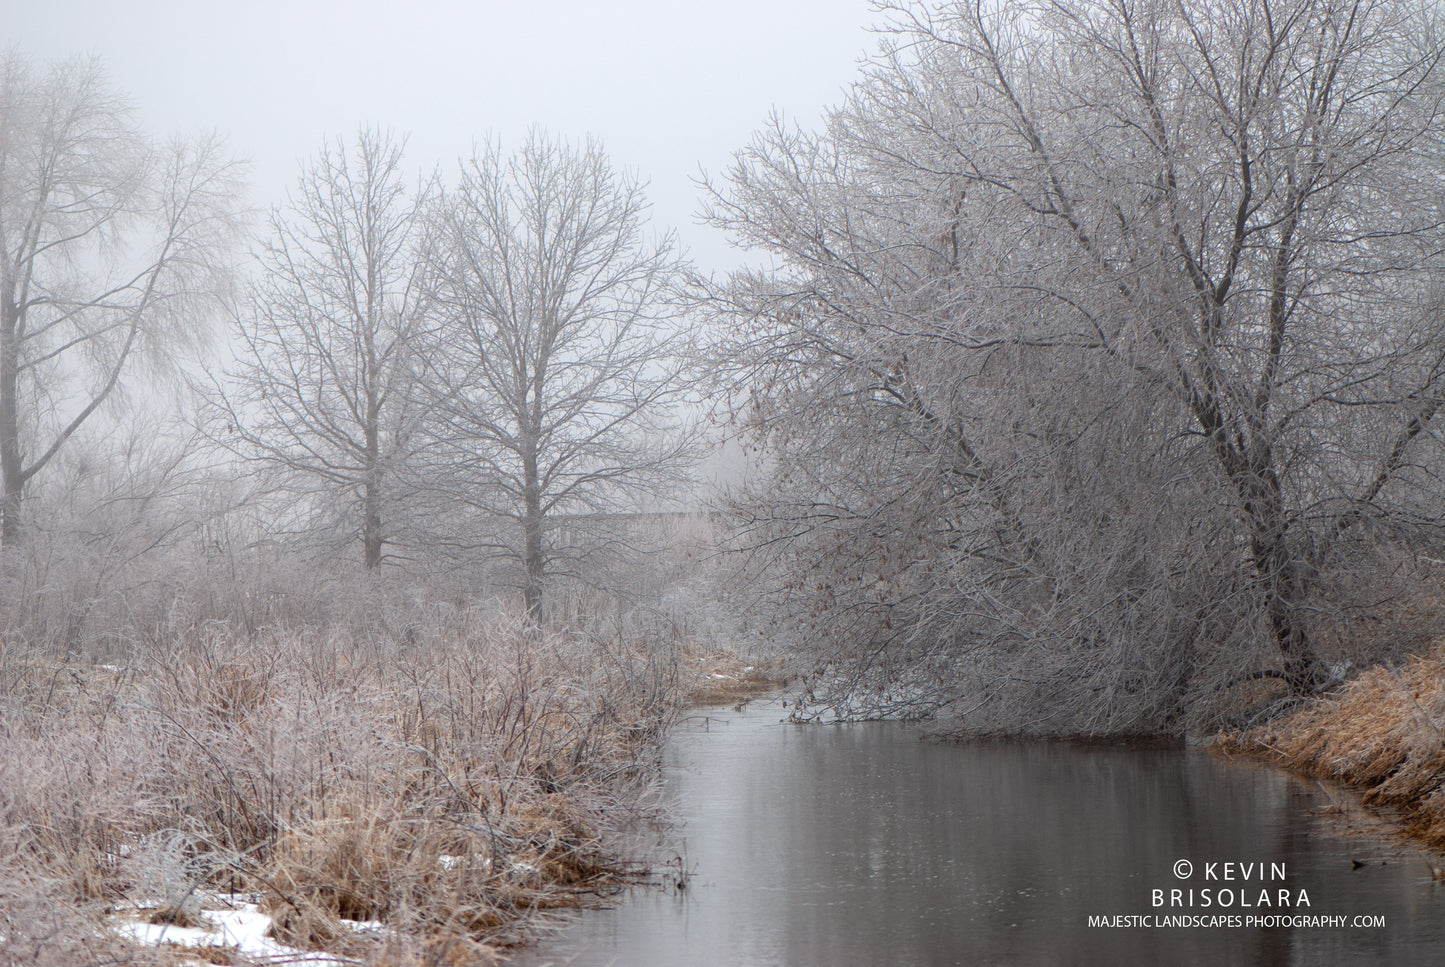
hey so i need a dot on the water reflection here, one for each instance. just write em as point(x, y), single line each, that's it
point(860, 845)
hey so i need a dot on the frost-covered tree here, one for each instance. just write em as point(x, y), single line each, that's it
point(321, 389)
point(112, 247)
point(1105, 335)
point(552, 364)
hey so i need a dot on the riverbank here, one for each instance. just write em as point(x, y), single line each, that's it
point(334, 795)
point(721, 677)
point(1383, 734)
point(373, 800)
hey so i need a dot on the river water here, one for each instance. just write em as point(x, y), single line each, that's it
point(827, 846)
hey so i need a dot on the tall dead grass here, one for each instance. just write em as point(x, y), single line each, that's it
point(446, 781)
point(1381, 733)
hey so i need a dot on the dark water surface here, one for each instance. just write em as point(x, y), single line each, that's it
point(826, 846)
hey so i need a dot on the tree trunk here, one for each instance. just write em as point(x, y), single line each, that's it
point(532, 559)
point(532, 541)
point(371, 523)
point(371, 540)
point(12, 479)
point(1280, 578)
point(1284, 589)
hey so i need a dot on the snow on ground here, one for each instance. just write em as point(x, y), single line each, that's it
point(239, 925)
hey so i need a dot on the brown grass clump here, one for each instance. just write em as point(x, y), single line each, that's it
point(445, 785)
point(1382, 733)
point(723, 677)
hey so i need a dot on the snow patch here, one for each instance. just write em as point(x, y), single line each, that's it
point(241, 926)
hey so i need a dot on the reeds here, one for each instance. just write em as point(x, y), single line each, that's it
point(444, 783)
point(1382, 733)
point(724, 677)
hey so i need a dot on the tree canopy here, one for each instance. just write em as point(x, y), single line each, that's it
point(1104, 351)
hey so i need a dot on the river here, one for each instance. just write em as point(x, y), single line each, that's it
point(862, 845)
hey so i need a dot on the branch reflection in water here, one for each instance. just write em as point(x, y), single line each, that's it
point(861, 844)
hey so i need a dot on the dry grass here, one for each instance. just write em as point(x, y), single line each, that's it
point(1382, 733)
point(447, 784)
point(723, 677)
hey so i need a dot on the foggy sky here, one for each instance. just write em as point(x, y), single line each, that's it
point(668, 86)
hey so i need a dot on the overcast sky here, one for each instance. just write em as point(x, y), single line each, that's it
point(670, 86)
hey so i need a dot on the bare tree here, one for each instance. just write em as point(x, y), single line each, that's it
point(553, 361)
point(110, 247)
point(1074, 267)
point(321, 387)
point(1256, 212)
